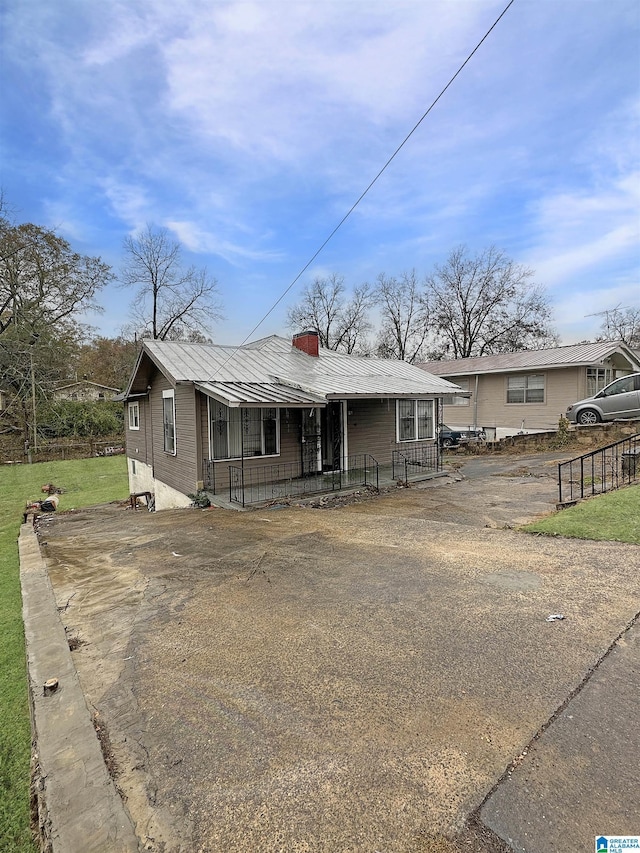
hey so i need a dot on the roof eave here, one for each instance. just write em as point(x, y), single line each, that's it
point(393, 395)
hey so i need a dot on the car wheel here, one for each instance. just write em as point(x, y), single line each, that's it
point(447, 442)
point(588, 416)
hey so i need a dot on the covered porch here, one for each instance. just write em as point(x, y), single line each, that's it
point(264, 484)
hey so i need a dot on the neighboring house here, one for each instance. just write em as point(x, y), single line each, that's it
point(193, 410)
point(530, 390)
point(82, 391)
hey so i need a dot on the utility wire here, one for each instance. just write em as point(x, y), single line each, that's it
point(364, 192)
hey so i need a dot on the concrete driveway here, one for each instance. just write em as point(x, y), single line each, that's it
point(350, 679)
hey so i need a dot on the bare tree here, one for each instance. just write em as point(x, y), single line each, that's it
point(404, 316)
point(341, 323)
point(486, 304)
point(173, 302)
point(622, 324)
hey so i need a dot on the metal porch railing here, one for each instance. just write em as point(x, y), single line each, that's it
point(274, 482)
point(600, 471)
point(209, 475)
point(414, 460)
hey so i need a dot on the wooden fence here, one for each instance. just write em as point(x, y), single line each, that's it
point(60, 449)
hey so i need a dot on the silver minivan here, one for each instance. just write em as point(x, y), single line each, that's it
point(619, 399)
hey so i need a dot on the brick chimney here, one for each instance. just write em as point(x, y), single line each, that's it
point(307, 342)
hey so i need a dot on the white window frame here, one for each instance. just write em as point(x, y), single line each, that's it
point(525, 390)
point(463, 384)
point(134, 415)
point(262, 455)
point(416, 436)
point(169, 395)
point(597, 379)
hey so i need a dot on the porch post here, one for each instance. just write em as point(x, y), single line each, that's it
point(344, 441)
point(242, 449)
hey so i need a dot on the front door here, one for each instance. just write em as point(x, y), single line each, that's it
point(332, 436)
point(311, 441)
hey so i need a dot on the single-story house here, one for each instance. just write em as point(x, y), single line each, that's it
point(82, 391)
point(195, 413)
point(531, 389)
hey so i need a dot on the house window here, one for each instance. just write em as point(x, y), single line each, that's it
point(134, 415)
point(528, 388)
point(597, 378)
point(242, 432)
point(414, 420)
point(460, 401)
point(169, 421)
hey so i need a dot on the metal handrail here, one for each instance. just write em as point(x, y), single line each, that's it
point(425, 456)
point(257, 484)
point(209, 475)
point(600, 471)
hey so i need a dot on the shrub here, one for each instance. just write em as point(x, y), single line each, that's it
point(88, 419)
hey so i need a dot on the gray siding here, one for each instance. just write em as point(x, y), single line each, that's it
point(180, 471)
point(290, 421)
point(371, 428)
point(138, 441)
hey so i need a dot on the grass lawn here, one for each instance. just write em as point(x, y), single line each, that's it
point(85, 482)
point(614, 516)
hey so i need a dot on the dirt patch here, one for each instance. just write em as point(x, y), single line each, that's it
point(521, 471)
point(105, 745)
point(321, 681)
point(74, 642)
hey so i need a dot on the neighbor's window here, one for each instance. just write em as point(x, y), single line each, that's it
point(526, 389)
point(464, 385)
point(169, 421)
point(134, 415)
point(414, 420)
point(239, 432)
point(597, 378)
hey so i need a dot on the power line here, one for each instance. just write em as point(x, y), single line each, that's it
point(365, 191)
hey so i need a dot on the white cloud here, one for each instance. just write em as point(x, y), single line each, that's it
point(249, 128)
point(286, 80)
point(581, 230)
point(560, 266)
point(129, 202)
point(200, 241)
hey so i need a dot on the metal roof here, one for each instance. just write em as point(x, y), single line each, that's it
point(576, 355)
point(272, 371)
point(248, 394)
point(85, 382)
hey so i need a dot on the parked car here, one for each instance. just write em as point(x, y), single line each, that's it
point(618, 399)
point(449, 437)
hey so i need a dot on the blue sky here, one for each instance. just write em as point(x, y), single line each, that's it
point(249, 128)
